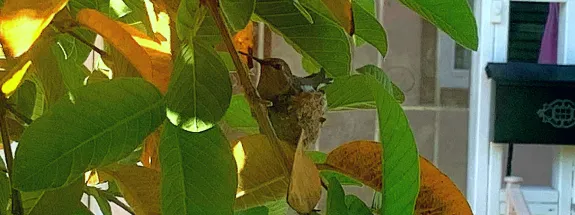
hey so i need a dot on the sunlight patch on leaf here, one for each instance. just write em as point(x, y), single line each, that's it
point(22, 22)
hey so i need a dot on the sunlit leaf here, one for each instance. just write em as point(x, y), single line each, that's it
point(91, 131)
point(356, 206)
point(137, 16)
point(304, 190)
point(324, 41)
point(118, 37)
point(140, 186)
point(200, 89)
point(22, 22)
point(58, 201)
point(10, 85)
point(368, 27)
point(239, 116)
point(159, 55)
point(384, 80)
point(454, 17)
point(237, 12)
point(335, 198)
point(260, 176)
point(183, 155)
point(100, 199)
point(243, 41)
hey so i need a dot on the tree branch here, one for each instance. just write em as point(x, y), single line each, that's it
point(91, 45)
point(110, 197)
point(18, 114)
point(256, 102)
point(16, 201)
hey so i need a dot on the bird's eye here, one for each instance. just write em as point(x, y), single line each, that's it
point(278, 66)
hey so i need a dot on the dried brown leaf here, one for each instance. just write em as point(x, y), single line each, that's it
point(22, 22)
point(260, 175)
point(362, 160)
point(139, 185)
point(305, 183)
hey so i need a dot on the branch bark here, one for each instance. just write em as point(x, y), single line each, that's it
point(257, 104)
point(16, 200)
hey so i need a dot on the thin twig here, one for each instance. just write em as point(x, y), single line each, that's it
point(110, 197)
point(18, 114)
point(91, 45)
point(16, 201)
point(256, 102)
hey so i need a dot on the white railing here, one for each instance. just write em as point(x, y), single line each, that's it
point(516, 204)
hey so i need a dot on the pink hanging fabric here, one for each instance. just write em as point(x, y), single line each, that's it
point(548, 52)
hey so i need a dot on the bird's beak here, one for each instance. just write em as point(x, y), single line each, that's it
point(252, 57)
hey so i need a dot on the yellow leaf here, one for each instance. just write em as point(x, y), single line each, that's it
point(260, 175)
point(341, 10)
point(362, 160)
point(116, 35)
point(149, 157)
point(158, 53)
point(139, 185)
point(305, 183)
point(243, 41)
point(12, 84)
point(22, 22)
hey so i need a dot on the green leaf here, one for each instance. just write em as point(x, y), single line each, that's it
point(24, 98)
point(5, 191)
point(137, 16)
point(195, 24)
point(454, 17)
point(309, 65)
point(343, 179)
point(347, 92)
point(324, 41)
point(239, 116)
point(238, 12)
point(48, 74)
point(58, 201)
point(102, 202)
point(261, 210)
point(198, 172)
point(104, 123)
point(335, 198)
point(356, 206)
point(118, 9)
point(384, 80)
point(317, 156)
point(368, 28)
point(200, 89)
point(400, 158)
point(73, 72)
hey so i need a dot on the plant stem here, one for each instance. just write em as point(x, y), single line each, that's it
point(16, 201)
point(256, 102)
point(18, 114)
point(110, 197)
point(91, 45)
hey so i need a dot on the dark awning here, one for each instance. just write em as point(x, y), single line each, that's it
point(518, 72)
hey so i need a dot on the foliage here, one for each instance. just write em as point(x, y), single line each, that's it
point(156, 115)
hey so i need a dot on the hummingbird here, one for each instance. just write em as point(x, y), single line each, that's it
point(276, 78)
